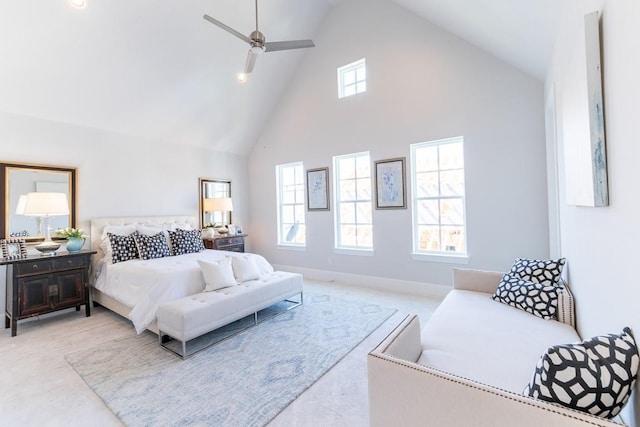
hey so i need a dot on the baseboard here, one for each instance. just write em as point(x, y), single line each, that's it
point(379, 283)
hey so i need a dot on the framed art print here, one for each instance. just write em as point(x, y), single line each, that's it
point(391, 190)
point(13, 248)
point(318, 189)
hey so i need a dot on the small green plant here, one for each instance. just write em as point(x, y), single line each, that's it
point(71, 233)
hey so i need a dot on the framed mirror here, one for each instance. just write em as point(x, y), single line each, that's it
point(211, 193)
point(17, 179)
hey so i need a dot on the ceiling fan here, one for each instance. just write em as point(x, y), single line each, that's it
point(258, 43)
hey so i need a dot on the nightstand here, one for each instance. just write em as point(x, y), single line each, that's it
point(42, 284)
point(232, 243)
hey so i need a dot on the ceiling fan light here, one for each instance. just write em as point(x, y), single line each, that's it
point(78, 4)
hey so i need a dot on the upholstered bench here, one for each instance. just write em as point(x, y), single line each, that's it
point(190, 317)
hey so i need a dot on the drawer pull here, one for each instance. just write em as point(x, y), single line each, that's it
point(35, 266)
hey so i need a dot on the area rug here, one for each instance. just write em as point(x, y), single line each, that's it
point(245, 380)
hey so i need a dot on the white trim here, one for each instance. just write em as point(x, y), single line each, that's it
point(451, 259)
point(379, 283)
point(300, 248)
point(553, 192)
point(359, 252)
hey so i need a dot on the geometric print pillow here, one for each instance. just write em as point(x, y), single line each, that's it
point(186, 241)
point(595, 376)
point(123, 248)
point(150, 247)
point(545, 272)
point(539, 300)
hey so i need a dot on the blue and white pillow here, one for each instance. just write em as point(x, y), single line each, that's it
point(595, 376)
point(123, 248)
point(150, 247)
point(543, 271)
point(535, 298)
point(186, 241)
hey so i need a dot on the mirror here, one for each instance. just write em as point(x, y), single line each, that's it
point(214, 189)
point(19, 179)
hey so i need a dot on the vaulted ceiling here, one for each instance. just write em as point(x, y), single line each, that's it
point(159, 71)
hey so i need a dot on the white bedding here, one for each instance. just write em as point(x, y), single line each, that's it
point(143, 285)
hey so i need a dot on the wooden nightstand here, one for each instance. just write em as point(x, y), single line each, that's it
point(234, 243)
point(42, 284)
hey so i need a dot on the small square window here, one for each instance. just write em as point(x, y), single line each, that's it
point(352, 78)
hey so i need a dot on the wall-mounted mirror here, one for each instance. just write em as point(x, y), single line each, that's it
point(17, 180)
point(213, 209)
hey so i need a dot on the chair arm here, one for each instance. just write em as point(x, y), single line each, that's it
point(476, 280)
point(405, 393)
point(404, 341)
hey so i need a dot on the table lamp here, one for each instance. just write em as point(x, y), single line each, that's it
point(218, 204)
point(46, 205)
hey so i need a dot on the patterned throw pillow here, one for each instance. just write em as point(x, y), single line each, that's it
point(539, 300)
point(186, 241)
point(150, 247)
point(595, 376)
point(123, 248)
point(545, 272)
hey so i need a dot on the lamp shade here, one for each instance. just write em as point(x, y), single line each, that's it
point(219, 204)
point(46, 204)
point(22, 200)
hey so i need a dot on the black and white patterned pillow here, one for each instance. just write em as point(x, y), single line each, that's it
point(535, 298)
point(186, 241)
point(123, 248)
point(543, 271)
point(595, 376)
point(150, 247)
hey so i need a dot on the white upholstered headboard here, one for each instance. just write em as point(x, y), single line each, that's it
point(98, 224)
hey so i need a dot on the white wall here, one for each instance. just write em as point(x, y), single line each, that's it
point(121, 175)
point(423, 84)
point(601, 243)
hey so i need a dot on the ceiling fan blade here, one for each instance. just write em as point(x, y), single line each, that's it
point(227, 28)
point(251, 61)
point(286, 45)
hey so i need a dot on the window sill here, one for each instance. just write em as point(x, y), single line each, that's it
point(446, 258)
point(292, 247)
point(358, 252)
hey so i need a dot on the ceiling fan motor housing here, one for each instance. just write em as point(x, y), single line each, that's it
point(257, 42)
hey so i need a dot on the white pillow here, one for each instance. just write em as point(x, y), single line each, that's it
point(244, 268)
point(217, 274)
point(105, 243)
point(149, 230)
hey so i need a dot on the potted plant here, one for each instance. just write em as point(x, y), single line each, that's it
point(75, 238)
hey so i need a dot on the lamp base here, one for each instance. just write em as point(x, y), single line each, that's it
point(47, 248)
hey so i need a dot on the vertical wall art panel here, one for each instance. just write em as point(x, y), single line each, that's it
point(583, 118)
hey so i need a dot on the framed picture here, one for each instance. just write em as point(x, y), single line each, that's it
point(13, 248)
point(391, 186)
point(318, 189)
point(239, 230)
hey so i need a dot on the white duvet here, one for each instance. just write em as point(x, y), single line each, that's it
point(143, 285)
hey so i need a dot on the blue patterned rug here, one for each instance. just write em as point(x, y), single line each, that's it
point(245, 380)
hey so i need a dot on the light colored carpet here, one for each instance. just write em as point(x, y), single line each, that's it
point(243, 381)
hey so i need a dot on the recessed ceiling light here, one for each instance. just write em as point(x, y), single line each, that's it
point(78, 4)
point(242, 77)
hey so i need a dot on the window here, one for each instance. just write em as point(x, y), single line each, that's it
point(290, 187)
point(439, 197)
point(352, 78)
point(354, 228)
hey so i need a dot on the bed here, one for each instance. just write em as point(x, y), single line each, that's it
point(135, 288)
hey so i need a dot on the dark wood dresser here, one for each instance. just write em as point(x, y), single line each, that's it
point(233, 243)
point(43, 284)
